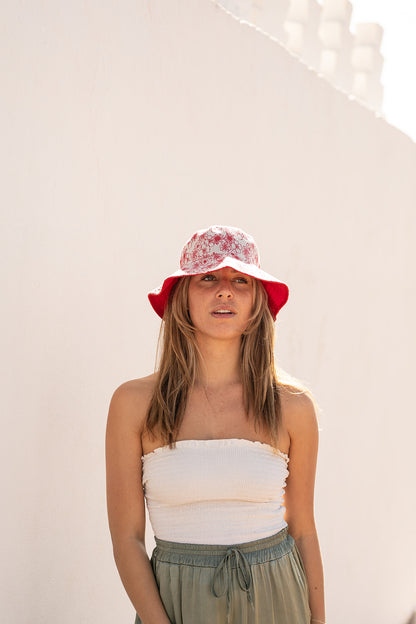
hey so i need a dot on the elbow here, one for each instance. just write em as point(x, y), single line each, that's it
point(122, 547)
point(301, 528)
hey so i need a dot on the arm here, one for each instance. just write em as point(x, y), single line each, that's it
point(302, 426)
point(125, 503)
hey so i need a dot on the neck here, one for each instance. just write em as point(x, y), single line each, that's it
point(220, 365)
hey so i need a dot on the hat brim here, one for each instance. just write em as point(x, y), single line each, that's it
point(277, 291)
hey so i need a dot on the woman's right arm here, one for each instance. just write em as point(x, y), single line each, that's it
point(125, 501)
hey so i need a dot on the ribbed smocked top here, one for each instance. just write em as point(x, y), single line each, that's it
point(222, 491)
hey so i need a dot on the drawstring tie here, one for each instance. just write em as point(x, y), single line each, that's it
point(222, 576)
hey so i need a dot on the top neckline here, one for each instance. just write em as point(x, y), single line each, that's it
point(220, 442)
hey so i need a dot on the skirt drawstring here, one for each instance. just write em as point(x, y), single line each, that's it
point(221, 582)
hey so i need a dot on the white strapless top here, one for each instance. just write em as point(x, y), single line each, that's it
point(222, 491)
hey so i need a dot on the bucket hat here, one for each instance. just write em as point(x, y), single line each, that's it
point(215, 248)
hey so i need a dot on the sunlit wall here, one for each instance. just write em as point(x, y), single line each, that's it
point(125, 127)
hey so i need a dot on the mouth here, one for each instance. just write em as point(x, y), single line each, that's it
point(223, 313)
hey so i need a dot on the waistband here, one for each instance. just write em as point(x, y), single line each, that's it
point(180, 548)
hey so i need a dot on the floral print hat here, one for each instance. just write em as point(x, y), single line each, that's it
point(215, 248)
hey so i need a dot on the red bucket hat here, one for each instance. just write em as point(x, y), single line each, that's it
point(215, 248)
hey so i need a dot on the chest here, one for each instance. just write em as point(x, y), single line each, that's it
point(216, 415)
point(221, 415)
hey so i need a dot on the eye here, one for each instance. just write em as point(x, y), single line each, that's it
point(207, 277)
point(242, 279)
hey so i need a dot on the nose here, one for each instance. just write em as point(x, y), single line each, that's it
point(224, 289)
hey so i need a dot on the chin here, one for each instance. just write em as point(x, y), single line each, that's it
point(223, 333)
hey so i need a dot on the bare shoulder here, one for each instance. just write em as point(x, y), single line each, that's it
point(300, 414)
point(123, 449)
point(299, 408)
point(130, 401)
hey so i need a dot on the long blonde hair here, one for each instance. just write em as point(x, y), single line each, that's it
point(179, 358)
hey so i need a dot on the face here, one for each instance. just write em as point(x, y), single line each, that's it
point(220, 303)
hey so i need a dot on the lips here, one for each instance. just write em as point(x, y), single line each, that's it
point(223, 311)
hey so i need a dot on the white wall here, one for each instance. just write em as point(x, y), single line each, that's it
point(125, 127)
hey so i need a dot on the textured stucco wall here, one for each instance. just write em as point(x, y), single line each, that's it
point(125, 127)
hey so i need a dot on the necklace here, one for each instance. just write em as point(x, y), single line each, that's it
point(221, 407)
point(213, 411)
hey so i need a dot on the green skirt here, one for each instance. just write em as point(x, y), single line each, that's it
point(259, 582)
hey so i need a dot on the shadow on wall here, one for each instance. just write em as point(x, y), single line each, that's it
point(412, 619)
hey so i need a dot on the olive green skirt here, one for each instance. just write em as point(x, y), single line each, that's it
point(259, 582)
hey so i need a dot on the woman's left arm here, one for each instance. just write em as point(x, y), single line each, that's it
point(302, 425)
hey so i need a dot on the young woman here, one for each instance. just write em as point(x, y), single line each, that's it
point(223, 448)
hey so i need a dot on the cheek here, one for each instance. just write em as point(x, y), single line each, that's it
point(193, 309)
point(251, 301)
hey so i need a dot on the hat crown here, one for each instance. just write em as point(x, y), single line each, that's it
point(208, 248)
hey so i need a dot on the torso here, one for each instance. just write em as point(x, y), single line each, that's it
point(216, 416)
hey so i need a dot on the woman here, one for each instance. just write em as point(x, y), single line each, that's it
point(207, 440)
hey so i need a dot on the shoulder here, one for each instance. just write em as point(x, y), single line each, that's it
point(130, 400)
point(137, 388)
point(300, 410)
